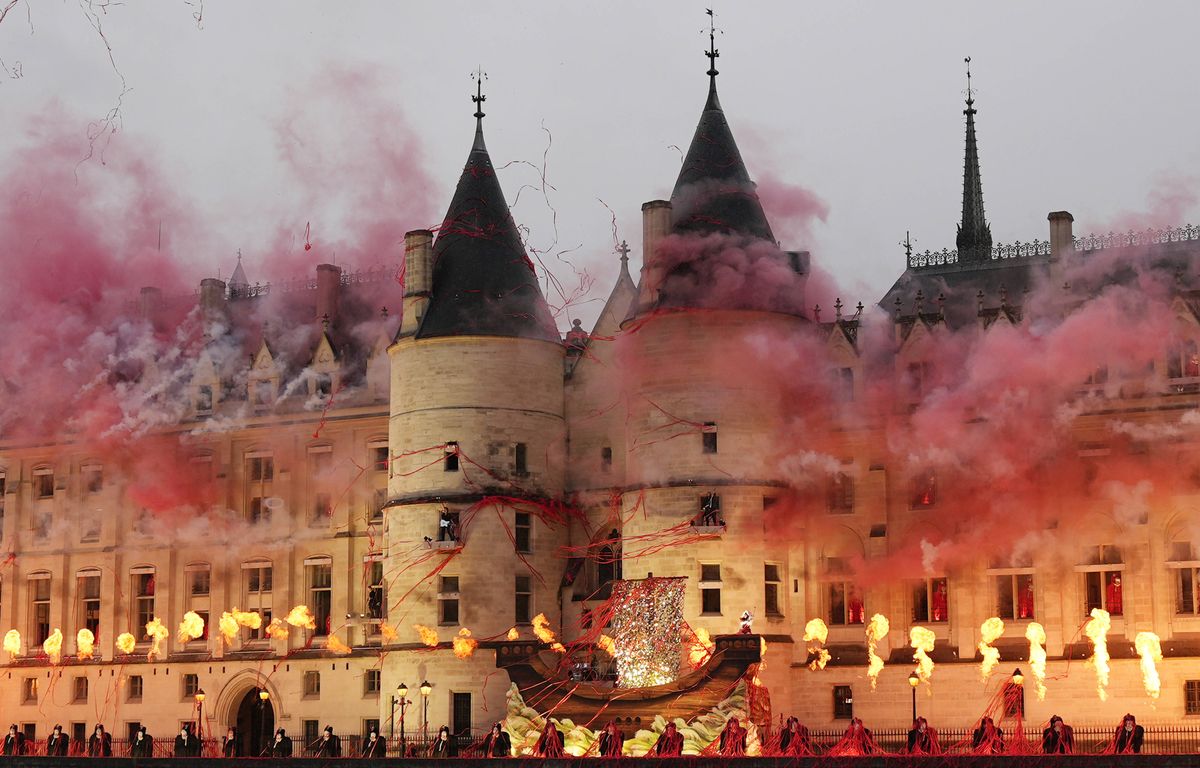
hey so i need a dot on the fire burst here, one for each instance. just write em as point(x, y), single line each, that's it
point(12, 642)
point(85, 643)
point(922, 641)
point(277, 630)
point(53, 645)
point(464, 644)
point(429, 636)
point(541, 628)
point(701, 648)
point(191, 628)
point(158, 633)
point(1097, 631)
point(989, 632)
point(607, 644)
point(300, 616)
point(126, 643)
point(332, 643)
point(815, 634)
point(1150, 650)
point(513, 634)
point(388, 632)
point(877, 629)
point(1036, 635)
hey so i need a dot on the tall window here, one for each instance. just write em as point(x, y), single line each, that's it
point(710, 588)
point(450, 457)
point(608, 559)
point(1191, 697)
point(312, 683)
point(448, 600)
point(840, 495)
point(708, 437)
point(190, 687)
point(320, 475)
point(771, 588)
point(93, 479)
point(320, 595)
point(3, 492)
point(605, 459)
point(521, 460)
point(1186, 578)
point(376, 596)
point(523, 532)
point(918, 378)
point(204, 399)
point(930, 600)
point(924, 490)
point(136, 686)
point(257, 577)
point(1015, 596)
point(1103, 587)
point(39, 595)
point(379, 457)
point(43, 483)
point(524, 599)
point(843, 702)
point(79, 692)
point(260, 475)
point(199, 581)
point(843, 385)
point(371, 682)
point(143, 601)
point(29, 690)
point(842, 595)
point(88, 584)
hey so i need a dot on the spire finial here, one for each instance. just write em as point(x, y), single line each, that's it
point(479, 76)
point(970, 92)
point(623, 249)
point(907, 244)
point(712, 53)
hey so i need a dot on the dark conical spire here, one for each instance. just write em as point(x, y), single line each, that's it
point(974, 235)
point(714, 192)
point(483, 281)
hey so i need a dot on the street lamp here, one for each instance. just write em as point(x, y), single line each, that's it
point(263, 696)
point(200, 716)
point(913, 681)
point(425, 689)
point(1018, 680)
point(399, 700)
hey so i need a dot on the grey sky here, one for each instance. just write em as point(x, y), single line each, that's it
point(1087, 106)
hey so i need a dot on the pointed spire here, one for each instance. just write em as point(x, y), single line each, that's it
point(483, 281)
point(623, 249)
point(974, 235)
point(238, 279)
point(714, 192)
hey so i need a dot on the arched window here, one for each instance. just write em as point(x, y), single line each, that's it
point(608, 561)
point(143, 599)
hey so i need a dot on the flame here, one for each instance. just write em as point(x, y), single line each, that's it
point(922, 641)
point(300, 616)
point(126, 642)
point(701, 649)
point(1097, 631)
point(815, 634)
point(53, 645)
point(557, 648)
point(541, 628)
point(85, 643)
point(1150, 650)
point(228, 627)
point(277, 629)
point(428, 636)
point(191, 628)
point(607, 644)
point(332, 643)
point(877, 629)
point(250, 619)
point(388, 632)
point(989, 632)
point(464, 644)
point(761, 665)
point(157, 632)
point(513, 634)
point(1036, 635)
point(12, 642)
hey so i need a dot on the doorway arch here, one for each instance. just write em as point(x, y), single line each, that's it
point(255, 723)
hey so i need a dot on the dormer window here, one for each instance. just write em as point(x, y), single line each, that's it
point(450, 457)
point(204, 399)
point(324, 385)
point(709, 437)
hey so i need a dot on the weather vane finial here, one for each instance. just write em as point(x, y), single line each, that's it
point(712, 53)
point(479, 76)
point(970, 92)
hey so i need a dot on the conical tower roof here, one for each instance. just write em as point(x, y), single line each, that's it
point(483, 281)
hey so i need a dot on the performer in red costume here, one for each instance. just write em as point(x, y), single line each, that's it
point(669, 744)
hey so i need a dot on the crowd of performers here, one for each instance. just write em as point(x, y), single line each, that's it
point(792, 740)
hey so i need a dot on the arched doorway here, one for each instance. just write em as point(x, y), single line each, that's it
point(255, 724)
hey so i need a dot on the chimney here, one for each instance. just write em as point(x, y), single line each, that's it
point(212, 296)
point(656, 224)
point(329, 285)
point(149, 303)
point(418, 278)
point(1062, 242)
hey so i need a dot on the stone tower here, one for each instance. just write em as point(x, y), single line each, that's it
point(477, 437)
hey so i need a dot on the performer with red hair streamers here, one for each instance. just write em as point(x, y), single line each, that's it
point(794, 741)
point(922, 740)
point(1128, 738)
point(732, 740)
point(1058, 738)
point(987, 739)
point(856, 742)
point(611, 741)
point(550, 743)
point(669, 744)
